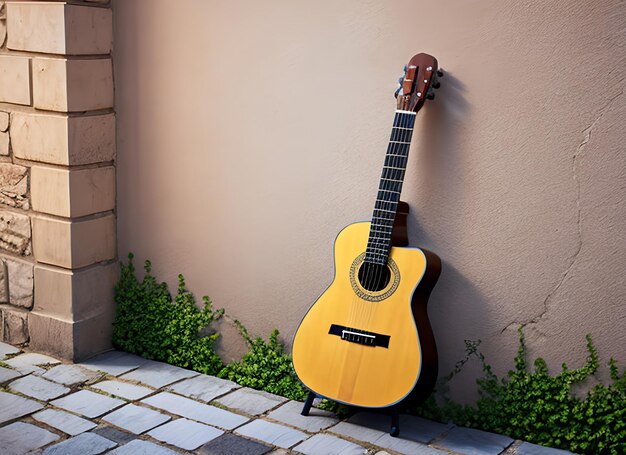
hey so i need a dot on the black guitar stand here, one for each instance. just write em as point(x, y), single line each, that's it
point(394, 430)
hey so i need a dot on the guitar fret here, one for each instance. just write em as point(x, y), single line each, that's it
point(399, 142)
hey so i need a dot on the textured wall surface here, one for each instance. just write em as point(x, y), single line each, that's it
point(57, 179)
point(250, 133)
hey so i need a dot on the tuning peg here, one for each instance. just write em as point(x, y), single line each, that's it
point(439, 73)
point(406, 67)
point(400, 80)
point(430, 95)
point(435, 84)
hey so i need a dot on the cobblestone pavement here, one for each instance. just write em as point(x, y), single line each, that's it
point(118, 403)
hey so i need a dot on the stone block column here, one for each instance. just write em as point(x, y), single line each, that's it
point(57, 176)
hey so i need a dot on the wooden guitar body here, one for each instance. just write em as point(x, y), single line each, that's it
point(367, 341)
point(349, 369)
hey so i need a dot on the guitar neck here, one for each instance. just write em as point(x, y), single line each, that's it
point(389, 188)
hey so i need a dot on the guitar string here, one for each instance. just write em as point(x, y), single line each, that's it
point(395, 163)
point(379, 222)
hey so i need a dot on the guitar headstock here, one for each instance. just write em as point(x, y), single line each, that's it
point(421, 77)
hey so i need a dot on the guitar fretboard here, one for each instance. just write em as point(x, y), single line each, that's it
point(389, 188)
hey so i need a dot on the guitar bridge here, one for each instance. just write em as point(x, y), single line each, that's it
point(363, 337)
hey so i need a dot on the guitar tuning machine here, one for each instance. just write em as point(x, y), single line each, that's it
point(430, 95)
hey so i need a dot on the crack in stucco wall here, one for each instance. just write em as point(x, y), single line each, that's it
point(576, 176)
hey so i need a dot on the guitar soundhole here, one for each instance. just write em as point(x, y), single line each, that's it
point(374, 277)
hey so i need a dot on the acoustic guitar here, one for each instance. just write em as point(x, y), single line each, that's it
point(367, 340)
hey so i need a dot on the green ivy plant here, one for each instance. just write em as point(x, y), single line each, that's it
point(265, 367)
point(534, 406)
point(528, 404)
point(151, 324)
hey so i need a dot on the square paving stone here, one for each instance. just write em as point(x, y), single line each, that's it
point(27, 363)
point(83, 444)
point(317, 419)
point(185, 434)
point(7, 349)
point(69, 374)
point(229, 443)
point(191, 409)
point(38, 388)
point(88, 403)
point(114, 363)
point(123, 389)
point(383, 439)
point(526, 448)
point(250, 401)
point(119, 436)
point(272, 433)
point(412, 428)
point(19, 438)
point(157, 374)
point(325, 443)
point(203, 387)
point(473, 442)
point(135, 419)
point(64, 421)
point(6, 374)
point(140, 447)
point(13, 406)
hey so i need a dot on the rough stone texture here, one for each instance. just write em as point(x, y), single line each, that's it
point(193, 410)
point(15, 233)
point(5, 140)
point(157, 374)
point(383, 439)
point(317, 419)
point(526, 448)
point(78, 294)
point(203, 387)
point(123, 389)
point(4, 282)
point(64, 421)
point(70, 85)
point(83, 444)
point(119, 436)
point(253, 402)
point(6, 374)
point(13, 325)
point(4, 120)
point(14, 186)
point(69, 374)
point(73, 244)
point(20, 438)
point(325, 443)
point(73, 340)
point(7, 349)
point(20, 283)
point(13, 406)
point(229, 443)
point(139, 447)
point(185, 434)
point(3, 24)
point(272, 433)
point(59, 139)
point(114, 363)
point(136, 419)
point(86, 191)
point(59, 28)
point(473, 442)
point(87, 403)
point(27, 363)
point(411, 427)
point(15, 79)
point(39, 388)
